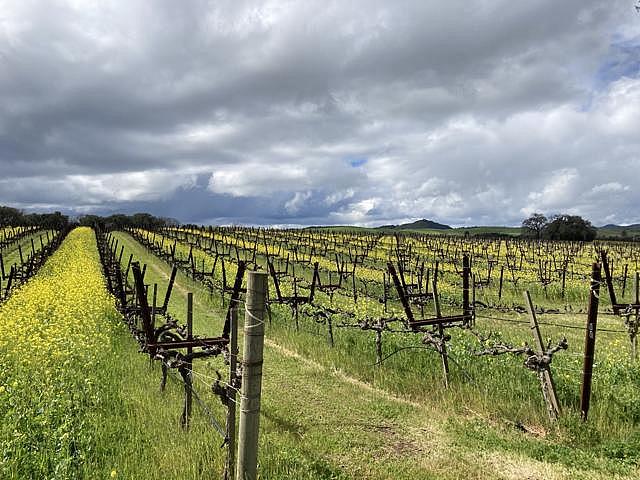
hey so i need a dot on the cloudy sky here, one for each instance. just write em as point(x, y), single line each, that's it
point(319, 112)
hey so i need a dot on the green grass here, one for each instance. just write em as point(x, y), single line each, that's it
point(319, 422)
point(314, 424)
point(96, 411)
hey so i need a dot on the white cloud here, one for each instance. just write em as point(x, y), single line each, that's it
point(339, 196)
point(611, 187)
point(450, 114)
point(119, 187)
point(294, 205)
point(558, 190)
point(257, 179)
point(355, 213)
point(94, 190)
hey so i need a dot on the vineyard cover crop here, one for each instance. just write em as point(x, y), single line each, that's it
point(77, 400)
point(55, 335)
point(366, 314)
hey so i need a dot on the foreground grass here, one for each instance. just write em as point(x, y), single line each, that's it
point(323, 419)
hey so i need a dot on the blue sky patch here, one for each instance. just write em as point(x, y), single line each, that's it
point(358, 161)
point(623, 60)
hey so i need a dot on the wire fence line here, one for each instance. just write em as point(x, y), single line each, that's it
point(561, 325)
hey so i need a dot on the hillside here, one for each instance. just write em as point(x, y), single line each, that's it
point(431, 227)
point(612, 230)
point(417, 225)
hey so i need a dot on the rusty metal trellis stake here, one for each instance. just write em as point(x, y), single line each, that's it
point(590, 341)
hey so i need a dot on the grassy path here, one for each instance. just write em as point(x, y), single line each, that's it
point(319, 422)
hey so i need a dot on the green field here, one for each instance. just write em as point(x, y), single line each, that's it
point(95, 410)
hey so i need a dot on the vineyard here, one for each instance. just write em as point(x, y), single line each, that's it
point(388, 294)
point(22, 251)
point(386, 355)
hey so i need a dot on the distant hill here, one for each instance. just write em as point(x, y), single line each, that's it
point(418, 225)
point(611, 226)
point(612, 230)
point(429, 226)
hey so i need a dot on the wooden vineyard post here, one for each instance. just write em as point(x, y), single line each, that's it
point(400, 290)
point(632, 324)
point(473, 301)
point(251, 376)
point(144, 305)
point(385, 290)
point(443, 345)
point(295, 295)
point(231, 391)
point(121, 288)
point(187, 375)
point(155, 305)
point(330, 331)
point(637, 285)
point(609, 280)
point(501, 279)
point(546, 381)
point(153, 309)
point(590, 341)
point(466, 305)
point(379, 328)
point(353, 281)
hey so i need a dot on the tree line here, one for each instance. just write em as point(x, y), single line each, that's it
point(537, 226)
point(119, 221)
point(558, 227)
point(13, 217)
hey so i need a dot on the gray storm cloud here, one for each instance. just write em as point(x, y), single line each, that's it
point(322, 112)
